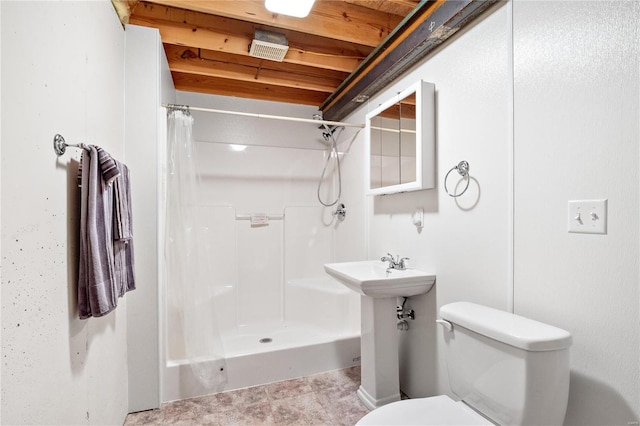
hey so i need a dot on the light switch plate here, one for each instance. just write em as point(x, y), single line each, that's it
point(588, 216)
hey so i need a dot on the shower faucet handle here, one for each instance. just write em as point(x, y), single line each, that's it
point(341, 212)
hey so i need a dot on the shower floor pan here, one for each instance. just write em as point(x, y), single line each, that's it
point(266, 353)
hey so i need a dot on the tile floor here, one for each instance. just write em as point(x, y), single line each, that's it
point(322, 399)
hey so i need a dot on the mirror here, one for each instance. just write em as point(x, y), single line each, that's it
point(401, 142)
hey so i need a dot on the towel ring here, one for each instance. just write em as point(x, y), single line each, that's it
point(463, 170)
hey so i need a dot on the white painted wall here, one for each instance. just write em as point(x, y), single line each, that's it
point(62, 72)
point(224, 128)
point(573, 133)
point(1, 266)
point(464, 241)
point(148, 86)
point(577, 136)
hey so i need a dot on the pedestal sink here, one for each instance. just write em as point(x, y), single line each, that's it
point(379, 288)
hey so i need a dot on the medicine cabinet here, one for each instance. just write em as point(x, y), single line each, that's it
point(400, 146)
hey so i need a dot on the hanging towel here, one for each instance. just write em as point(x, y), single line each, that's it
point(122, 204)
point(106, 263)
point(122, 231)
point(108, 166)
point(97, 294)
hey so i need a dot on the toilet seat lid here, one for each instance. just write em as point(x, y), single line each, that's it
point(438, 410)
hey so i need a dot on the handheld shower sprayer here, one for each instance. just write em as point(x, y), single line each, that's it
point(328, 136)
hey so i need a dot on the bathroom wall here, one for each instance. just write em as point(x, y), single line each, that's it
point(257, 260)
point(148, 85)
point(577, 136)
point(464, 241)
point(62, 72)
point(544, 106)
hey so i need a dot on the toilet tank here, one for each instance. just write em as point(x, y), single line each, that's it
point(512, 369)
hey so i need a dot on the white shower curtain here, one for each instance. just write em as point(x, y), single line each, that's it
point(189, 279)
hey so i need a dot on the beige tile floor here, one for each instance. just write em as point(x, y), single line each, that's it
point(322, 399)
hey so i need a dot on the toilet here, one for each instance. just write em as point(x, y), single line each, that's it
point(503, 369)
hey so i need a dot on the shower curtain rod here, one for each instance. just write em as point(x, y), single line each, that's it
point(271, 117)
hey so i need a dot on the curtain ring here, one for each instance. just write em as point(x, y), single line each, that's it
point(463, 170)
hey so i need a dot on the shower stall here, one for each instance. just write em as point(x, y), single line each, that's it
point(279, 316)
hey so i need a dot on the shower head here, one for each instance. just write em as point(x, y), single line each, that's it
point(327, 131)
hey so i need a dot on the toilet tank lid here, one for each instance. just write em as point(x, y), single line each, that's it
point(505, 327)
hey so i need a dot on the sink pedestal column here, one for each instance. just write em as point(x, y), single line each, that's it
point(380, 383)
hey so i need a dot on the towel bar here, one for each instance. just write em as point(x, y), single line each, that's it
point(60, 146)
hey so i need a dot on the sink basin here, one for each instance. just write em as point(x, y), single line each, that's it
point(371, 278)
point(379, 378)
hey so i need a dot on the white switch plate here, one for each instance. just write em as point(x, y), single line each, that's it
point(588, 216)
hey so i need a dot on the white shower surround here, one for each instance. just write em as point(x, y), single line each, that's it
point(269, 281)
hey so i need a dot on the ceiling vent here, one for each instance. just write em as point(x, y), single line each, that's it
point(269, 45)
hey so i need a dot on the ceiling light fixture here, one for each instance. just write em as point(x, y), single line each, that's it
point(237, 148)
point(296, 8)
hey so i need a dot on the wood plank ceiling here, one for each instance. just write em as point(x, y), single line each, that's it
point(207, 44)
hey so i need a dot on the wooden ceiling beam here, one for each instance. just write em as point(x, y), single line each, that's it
point(396, 7)
point(317, 44)
point(207, 44)
point(430, 25)
point(332, 19)
point(182, 35)
point(251, 70)
point(294, 69)
point(224, 87)
point(202, 31)
point(123, 9)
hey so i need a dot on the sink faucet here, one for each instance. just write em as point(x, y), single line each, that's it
point(395, 262)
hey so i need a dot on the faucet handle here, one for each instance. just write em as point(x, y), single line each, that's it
point(402, 262)
point(387, 258)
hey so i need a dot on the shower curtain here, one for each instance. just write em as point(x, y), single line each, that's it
point(190, 288)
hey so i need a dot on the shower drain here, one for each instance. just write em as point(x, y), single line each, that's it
point(266, 340)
